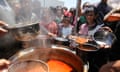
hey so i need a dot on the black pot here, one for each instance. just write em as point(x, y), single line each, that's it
point(25, 32)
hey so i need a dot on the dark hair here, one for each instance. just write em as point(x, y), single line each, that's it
point(66, 19)
point(91, 9)
point(86, 4)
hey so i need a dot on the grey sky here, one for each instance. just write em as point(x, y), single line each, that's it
point(72, 3)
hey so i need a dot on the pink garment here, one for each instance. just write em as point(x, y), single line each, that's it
point(75, 21)
point(52, 27)
point(83, 29)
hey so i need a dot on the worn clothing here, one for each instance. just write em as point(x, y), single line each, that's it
point(103, 9)
point(84, 29)
point(51, 27)
point(65, 31)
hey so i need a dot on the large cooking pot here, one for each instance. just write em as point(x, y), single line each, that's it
point(46, 54)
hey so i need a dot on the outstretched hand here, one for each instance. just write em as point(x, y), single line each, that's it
point(4, 65)
point(2, 30)
point(106, 28)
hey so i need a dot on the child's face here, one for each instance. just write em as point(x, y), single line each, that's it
point(90, 16)
point(66, 23)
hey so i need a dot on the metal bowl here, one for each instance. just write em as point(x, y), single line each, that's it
point(61, 39)
point(104, 37)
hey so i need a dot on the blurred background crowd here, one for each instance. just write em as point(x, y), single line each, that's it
point(29, 23)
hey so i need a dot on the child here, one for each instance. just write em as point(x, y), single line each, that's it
point(89, 29)
point(65, 28)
